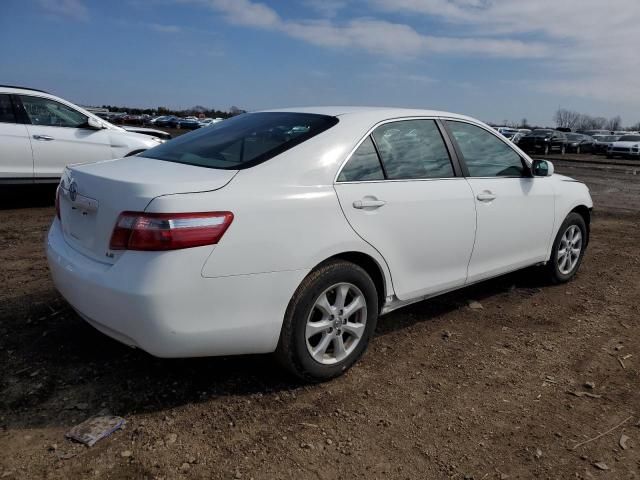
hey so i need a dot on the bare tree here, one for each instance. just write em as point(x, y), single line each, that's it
point(587, 122)
point(566, 118)
point(614, 123)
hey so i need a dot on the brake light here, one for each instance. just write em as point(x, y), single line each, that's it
point(168, 231)
point(58, 203)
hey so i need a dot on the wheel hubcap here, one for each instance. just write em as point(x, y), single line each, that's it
point(569, 249)
point(336, 323)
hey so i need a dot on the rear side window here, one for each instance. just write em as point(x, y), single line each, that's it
point(363, 165)
point(484, 153)
point(6, 110)
point(243, 141)
point(46, 112)
point(413, 149)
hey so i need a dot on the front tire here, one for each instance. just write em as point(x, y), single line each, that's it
point(329, 322)
point(568, 249)
point(563, 150)
point(546, 149)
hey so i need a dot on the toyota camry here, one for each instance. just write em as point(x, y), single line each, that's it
point(291, 231)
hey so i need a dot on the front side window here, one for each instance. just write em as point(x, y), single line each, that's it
point(243, 141)
point(6, 110)
point(484, 153)
point(413, 149)
point(46, 112)
point(363, 165)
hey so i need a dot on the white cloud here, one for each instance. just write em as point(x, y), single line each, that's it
point(73, 9)
point(246, 12)
point(372, 35)
point(595, 42)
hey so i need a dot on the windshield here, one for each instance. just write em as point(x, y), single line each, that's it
point(243, 141)
point(574, 136)
point(630, 138)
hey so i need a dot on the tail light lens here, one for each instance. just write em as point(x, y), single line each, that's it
point(168, 231)
point(58, 203)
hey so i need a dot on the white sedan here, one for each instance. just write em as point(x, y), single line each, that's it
point(293, 230)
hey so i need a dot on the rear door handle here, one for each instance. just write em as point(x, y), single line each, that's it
point(486, 196)
point(362, 204)
point(46, 138)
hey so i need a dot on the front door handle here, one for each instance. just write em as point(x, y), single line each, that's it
point(46, 138)
point(486, 196)
point(363, 204)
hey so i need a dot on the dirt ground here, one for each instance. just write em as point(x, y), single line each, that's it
point(445, 391)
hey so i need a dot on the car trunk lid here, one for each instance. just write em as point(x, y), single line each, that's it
point(92, 196)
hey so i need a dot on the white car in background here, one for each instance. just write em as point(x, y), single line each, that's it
point(40, 134)
point(208, 122)
point(293, 230)
point(627, 146)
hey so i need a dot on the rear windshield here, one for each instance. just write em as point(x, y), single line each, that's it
point(243, 141)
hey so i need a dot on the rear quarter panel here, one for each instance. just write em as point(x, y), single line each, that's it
point(276, 227)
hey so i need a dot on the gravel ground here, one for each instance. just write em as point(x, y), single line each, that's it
point(445, 391)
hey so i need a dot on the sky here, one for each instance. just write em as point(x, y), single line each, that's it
point(495, 60)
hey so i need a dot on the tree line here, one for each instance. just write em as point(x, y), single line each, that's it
point(579, 121)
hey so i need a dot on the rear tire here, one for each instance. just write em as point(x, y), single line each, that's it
point(568, 249)
point(578, 150)
point(319, 339)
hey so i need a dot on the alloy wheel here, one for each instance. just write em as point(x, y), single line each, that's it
point(336, 323)
point(569, 249)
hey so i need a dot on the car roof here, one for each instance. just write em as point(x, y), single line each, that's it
point(17, 89)
point(379, 113)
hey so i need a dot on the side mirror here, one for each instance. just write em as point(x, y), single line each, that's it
point(94, 124)
point(542, 168)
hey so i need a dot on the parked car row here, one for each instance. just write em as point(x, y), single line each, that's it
point(600, 142)
point(167, 121)
point(188, 123)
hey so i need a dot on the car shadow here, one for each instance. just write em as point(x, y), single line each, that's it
point(27, 196)
point(56, 369)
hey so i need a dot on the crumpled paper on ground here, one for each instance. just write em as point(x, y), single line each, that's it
point(95, 428)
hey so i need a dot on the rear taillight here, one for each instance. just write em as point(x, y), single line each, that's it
point(168, 231)
point(58, 203)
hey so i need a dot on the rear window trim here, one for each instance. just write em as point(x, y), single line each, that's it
point(269, 155)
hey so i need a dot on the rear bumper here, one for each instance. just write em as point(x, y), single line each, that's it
point(162, 304)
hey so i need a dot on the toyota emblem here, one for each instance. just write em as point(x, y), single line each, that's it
point(73, 191)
